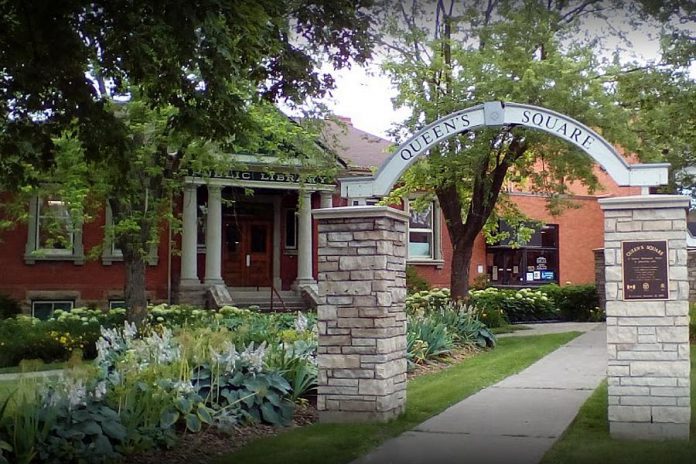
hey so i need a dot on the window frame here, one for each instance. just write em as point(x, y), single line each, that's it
point(32, 252)
point(52, 302)
point(115, 301)
point(111, 254)
point(435, 231)
point(288, 211)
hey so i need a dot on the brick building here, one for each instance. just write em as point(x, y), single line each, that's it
point(265, 244)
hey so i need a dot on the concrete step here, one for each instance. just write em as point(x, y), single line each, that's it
point(244, 297)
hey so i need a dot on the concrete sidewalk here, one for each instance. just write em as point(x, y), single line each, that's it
point(552, 327)
point(514, 421)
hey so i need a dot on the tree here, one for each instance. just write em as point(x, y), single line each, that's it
point(678, 18)
point(118, 97)
point(527, 51)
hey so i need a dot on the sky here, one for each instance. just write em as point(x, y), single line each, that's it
point(365, 96)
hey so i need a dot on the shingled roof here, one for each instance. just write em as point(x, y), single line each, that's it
point(360, 150)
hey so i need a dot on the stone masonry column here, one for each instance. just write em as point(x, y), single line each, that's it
point(213, 237)
point(361, 317)
point(189, 239)
point(647, 339)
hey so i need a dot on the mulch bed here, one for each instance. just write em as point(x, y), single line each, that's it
point(205, 446)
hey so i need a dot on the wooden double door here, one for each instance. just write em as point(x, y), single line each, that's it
point(247, 252)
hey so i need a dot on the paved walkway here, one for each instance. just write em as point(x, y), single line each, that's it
point(514, 421)
point(27, 375)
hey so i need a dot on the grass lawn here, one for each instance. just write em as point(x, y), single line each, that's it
point(426, 396)
point(509, 328)
point(587, 439)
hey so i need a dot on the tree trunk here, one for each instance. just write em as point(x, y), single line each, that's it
point(134, 287)
point(461, 263)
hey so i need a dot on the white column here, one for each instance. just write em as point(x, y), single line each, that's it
point(304, 239)
point(213, 237)
point(326, 199)
point(189, 237)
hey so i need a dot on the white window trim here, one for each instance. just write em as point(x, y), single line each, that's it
point(32, 253)
point(111, 254)
point(436, 258)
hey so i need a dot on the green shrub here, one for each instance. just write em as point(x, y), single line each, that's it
point(480, 282)
point(578, 303)
point(692, 322)
point(464, 324)
point(523, 305)
point(414, 282)
point(427, 301)
point(427, 338)
point(9, 307)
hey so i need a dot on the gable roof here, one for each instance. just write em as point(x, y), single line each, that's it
point(360, 150)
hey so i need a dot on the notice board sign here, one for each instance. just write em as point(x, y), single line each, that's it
point(645, 270)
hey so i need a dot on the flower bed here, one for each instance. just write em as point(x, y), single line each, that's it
point(186, 369)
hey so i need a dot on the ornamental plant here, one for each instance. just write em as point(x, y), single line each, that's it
point(524, 305)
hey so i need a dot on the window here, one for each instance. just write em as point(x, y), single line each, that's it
point(51, 234)
point(420, 233)
point(54, 232)
point(113, 304)
point(366, 202)
point(535, 263)
point(424, 234)
point(110, 252)
point(43, 309)
point(290, 229)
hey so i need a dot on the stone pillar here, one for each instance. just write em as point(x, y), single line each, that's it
point(691, 266)
point(304, 239)
point(213, 237)
point(189, 238)
point(326, 199)
point(361, 317)
point(647, 340)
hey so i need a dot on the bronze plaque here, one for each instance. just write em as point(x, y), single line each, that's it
point(645, 270)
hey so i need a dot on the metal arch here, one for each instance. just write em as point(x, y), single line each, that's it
point(496, 114)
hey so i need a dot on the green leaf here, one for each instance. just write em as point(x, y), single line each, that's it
point(114, 430)
point(90, 428)
point(184, 405)
point(287, 410)
point(102, 446)
point(270, 414)
point(193, 423)
point(204, 415)
point(273, 398)
point(168, 418)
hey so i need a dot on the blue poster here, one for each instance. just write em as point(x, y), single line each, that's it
point(546, 275)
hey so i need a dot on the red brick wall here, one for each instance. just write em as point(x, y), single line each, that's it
point(93, 280)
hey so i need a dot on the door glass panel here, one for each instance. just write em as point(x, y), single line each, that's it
point(232, 237)
point(258, 239)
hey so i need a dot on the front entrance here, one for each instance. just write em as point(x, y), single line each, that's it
point(247, 251)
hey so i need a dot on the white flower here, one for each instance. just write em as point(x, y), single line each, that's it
point(76, 394)
point(100, 390)
point(300, 322)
